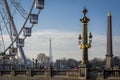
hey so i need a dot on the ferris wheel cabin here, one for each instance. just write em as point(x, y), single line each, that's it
point(12, 51)
point(27, 31)
point(21, 42)
point(39, 4)
point(33, 18)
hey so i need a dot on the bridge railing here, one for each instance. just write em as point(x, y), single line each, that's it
point(108, 73)
point(40, 72)
point(101, 73)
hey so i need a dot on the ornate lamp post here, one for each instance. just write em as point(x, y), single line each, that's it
point(36, 63)
point(33, 63)
point(85, 40)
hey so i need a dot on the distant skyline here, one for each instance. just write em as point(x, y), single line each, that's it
point(60, 21)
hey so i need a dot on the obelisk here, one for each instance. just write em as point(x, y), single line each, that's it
point(109, 53)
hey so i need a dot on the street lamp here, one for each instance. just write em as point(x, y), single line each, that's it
point(33, 62)
point(83, 39)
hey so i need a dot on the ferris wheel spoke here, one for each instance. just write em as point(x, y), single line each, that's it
point(6, 26)
point(20, 9)
point(3, 43)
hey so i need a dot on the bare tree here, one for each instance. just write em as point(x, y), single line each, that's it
point(116, 61)
point(97, 62)
point(43, 59)
point(66, 63)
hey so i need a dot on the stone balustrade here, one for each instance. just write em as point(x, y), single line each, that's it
point(50, 74)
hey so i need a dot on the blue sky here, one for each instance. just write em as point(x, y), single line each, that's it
point(60, 20)
point(65, 14)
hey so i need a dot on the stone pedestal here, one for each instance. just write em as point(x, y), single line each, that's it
point(29, 73)
point(13, 73)
point(48, 73)
point(83, 71)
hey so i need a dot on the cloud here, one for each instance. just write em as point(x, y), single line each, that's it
point(116, 45)
point(65, 44)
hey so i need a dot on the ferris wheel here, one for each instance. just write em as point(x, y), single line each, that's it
point(16, 25)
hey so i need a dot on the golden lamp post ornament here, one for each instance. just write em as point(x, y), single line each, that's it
point(85, 40)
